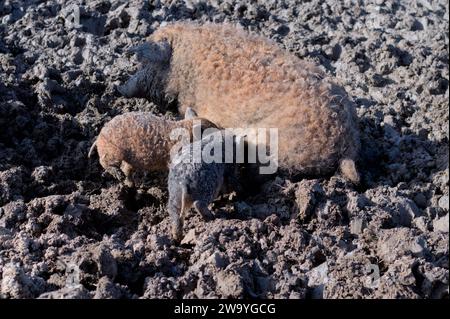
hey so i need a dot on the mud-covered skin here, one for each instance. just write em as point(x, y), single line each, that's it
point(197, 184)
point(62, 218)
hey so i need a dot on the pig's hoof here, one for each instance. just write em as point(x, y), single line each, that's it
point(202, 208)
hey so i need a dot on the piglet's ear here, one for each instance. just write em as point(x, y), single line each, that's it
point(152, 52)
point(190, 114)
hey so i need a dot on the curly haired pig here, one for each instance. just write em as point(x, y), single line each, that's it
point(139, 141)
point(198, 183)
point(237, 79)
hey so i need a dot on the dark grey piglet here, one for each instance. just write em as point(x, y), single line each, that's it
point(197, 184)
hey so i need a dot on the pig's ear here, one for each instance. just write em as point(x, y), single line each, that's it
point(190, 114)
point(152, 52)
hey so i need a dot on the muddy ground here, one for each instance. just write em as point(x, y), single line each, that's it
point(69, 230)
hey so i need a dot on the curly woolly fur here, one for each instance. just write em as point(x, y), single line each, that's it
point(237, 79)
point(139, 141)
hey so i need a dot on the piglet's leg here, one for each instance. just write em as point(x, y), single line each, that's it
point(202, 208)
point(127, 169)
point(177, 206)
point(177, 223)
